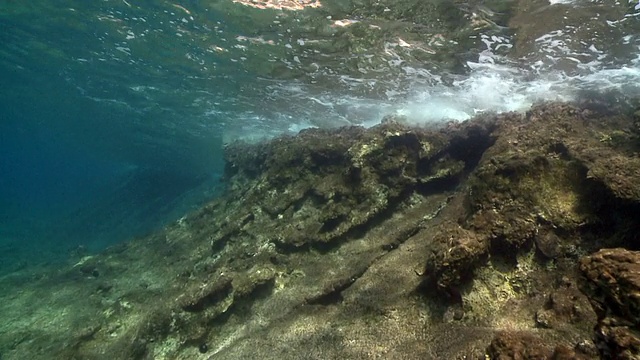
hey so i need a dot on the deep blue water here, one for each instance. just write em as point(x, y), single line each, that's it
point(77, 172)
point(83, 162)
point(113, 113)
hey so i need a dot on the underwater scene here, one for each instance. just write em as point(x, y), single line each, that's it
point(319, 179)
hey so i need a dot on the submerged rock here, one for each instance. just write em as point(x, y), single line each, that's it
point(612, 282)
point(392, 242)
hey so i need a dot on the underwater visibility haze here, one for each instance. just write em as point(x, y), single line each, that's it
point(114, 113)
point(289, 179)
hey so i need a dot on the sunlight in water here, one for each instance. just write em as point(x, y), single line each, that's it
point(281, 4)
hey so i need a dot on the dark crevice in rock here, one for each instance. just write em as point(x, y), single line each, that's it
point(218, 244)
point(288, 248)
point(360, 230)
point(614, 221)
point(209, 295)
point(332, 224)
point(332, 294)
point(401, 236)
point(559, 149)
point(471, 145)
point(247, 219)
point(439, 185)
point(621, 227)
point(356, 231)
point(243, 303)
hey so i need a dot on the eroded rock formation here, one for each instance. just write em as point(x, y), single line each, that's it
point(393, 242)
point(612, 282)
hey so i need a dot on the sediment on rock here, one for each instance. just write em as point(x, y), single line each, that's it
point(392, 242)
point(611, 279)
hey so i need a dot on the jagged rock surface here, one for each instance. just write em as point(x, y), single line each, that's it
point(612, 282)
point(391, 242)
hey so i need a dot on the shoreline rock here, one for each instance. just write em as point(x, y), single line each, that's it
point(388, 242)
point(611, 279)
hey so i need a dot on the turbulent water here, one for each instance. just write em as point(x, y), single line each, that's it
point(114, 113)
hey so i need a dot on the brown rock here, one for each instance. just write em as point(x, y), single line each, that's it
point(321, 242)
point(518, 346)
point(612, 283)
point(457, 252)
point(524, 345)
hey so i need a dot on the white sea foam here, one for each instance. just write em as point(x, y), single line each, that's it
point(488, 88)
point(553, 2)
point(501, 88)
point(565, 62)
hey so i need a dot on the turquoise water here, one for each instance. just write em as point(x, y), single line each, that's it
point(113, 114)
point(86, 160)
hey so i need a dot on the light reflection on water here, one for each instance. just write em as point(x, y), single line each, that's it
point(340, 64)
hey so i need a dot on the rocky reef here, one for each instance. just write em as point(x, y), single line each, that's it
point(612, 282)
point(491, 238)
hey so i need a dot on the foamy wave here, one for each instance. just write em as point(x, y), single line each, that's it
point(488, 88)
point(570, 59)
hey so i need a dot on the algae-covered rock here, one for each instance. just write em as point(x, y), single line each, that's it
point(340, 244)
point(519, 346)
point(456, 253)
point(314, 188)
point(522, 192)
point(611, 280)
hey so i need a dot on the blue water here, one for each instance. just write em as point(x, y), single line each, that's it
point(76, 172)
point(84, 162)
point(114, 113)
